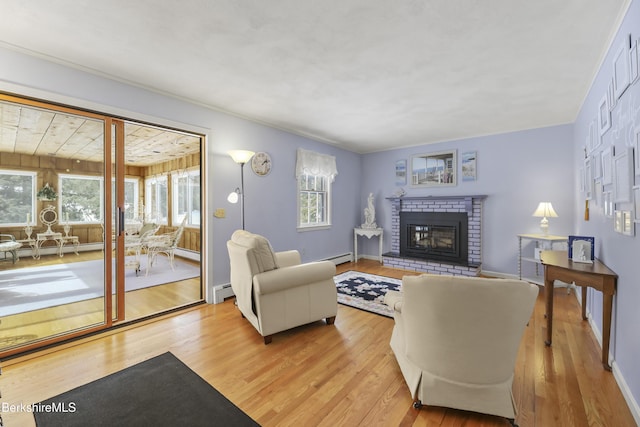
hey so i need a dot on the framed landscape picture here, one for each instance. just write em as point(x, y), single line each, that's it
point(401, 172)
point(434, 169)
point(469, 160)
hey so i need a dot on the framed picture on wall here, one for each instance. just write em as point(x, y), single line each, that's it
point(434, 169)
point(627, 224)
point(622, 175)
point(633, 62)
point(588, 178)
point(621, 69)
point(617, 221)
point(607, 204)
point(401, 172)
point(636, 203)
point(606, 159)
point(636, 153)
point(469, 160)
point(604, 115)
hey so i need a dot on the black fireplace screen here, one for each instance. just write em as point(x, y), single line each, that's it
point(439, 236)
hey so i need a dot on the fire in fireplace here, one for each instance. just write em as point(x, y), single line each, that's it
point(438, 236)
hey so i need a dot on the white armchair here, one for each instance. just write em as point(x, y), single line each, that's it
point(456, 339)
point(161, 244)
point(8, 244)
point(274, 291)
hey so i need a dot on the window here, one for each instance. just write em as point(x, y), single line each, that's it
point(17, 197)
point(81, 198)
point(315, 172)
point(156, 199)
point(132, 209)
point(313, 196)
point(185, 192)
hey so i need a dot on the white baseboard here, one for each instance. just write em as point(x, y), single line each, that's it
point(340, 259)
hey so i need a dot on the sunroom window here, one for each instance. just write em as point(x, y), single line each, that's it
point(17, 197)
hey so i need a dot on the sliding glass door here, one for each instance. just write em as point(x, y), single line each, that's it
point(99, 222)
point(52, 210)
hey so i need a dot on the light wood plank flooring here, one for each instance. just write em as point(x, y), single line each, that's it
point(31, 326)
point(341, 375)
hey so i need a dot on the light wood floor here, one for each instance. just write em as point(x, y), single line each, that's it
point(31, 326)
point(341, 375)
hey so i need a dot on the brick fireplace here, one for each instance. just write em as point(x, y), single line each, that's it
point(425, 255)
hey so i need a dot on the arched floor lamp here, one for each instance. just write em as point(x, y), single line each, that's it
point(241, 157)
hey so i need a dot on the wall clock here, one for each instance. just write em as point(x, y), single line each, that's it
point(261, 164)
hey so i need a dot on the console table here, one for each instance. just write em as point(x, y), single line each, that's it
point(558, 266)
point(59, 239)
point(368, 233)
point(542, 242)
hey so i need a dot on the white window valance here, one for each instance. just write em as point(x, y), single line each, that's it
point(312, 163)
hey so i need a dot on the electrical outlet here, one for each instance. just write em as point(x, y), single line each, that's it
point(220, 213)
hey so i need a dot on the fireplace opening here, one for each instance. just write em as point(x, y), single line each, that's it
point(438, 236)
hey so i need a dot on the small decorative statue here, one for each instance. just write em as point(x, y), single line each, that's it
point(369, 214)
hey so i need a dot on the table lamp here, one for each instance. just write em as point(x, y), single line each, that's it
point(544, 210)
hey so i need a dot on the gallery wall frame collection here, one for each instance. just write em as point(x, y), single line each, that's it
point(610, 174)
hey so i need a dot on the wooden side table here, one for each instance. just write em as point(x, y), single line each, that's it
point(368, 233)
point(558, 266)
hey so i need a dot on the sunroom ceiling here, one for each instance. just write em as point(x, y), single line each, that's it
point(37, 132)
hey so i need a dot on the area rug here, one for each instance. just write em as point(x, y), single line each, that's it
point(161, 391)
point(366, 291)
point(28, 289)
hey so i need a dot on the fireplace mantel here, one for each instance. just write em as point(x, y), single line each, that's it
point(468, 200)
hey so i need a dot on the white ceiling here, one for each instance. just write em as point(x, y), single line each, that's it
point(366, 75)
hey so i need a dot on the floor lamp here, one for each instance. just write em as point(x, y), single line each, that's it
point(241, 157)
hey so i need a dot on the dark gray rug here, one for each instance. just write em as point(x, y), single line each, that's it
point(366, 291)
point(161, 391)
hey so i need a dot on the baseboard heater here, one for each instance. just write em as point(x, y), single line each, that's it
point(221, 292)
point(340, 259)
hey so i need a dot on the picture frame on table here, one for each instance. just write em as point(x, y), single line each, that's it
point(437, 169)
point(582, 248)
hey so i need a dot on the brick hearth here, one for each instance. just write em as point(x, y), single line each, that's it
point(472, 205)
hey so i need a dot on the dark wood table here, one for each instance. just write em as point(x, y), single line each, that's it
point(558, 266)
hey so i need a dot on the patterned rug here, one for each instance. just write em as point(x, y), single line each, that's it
point(365, 291)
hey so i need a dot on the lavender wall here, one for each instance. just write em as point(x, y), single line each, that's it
point(618, 251)
point(515, 170)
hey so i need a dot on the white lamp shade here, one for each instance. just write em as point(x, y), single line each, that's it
point(241, 156)
point(544, 210)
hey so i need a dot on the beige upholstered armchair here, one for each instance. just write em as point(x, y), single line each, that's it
point(274, 291)
point(456, 339)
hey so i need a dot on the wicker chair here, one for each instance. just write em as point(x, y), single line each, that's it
point(8, 244)
point(163, 244)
